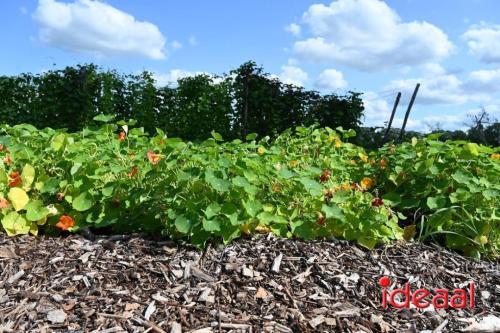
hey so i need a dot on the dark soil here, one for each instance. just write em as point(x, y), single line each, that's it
point(263, 284)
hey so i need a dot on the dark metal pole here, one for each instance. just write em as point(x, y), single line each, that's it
point(384, 139)
point(408, 111)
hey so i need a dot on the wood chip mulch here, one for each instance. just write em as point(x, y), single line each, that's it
point(263, 284)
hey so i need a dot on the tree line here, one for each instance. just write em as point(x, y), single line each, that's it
point(245, 100)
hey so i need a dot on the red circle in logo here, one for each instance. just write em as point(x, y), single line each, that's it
point(384, 281)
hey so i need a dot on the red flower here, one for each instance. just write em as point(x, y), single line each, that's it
point(65, 222)
point(133, 172)
point(121, 136)
point(15, 179)
point(325, 176)
point(321, 219)
point(377, 202)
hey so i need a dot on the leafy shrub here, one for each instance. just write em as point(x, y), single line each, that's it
point(306, 183)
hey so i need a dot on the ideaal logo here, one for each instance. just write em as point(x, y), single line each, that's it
point(423, 298)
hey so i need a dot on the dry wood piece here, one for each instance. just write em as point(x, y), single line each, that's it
point(260, 284)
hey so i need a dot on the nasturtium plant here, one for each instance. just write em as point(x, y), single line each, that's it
point(307, 183)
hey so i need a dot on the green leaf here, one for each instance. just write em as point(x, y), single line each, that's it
point(18, 198)
point(15, 224)
point(182, 224)
point(252, 207)
point(83, 202)
point(391, 198)
point(368, 242)
point(461, 177)
point(267, 218)
point(216, 183)
point(286, 174)
point(216, 136)
point(211, 225)
point(35, 211)
point(105, 118)
point(212, 210)
point(27, 176)
point(312, 186)
point(3, 177)
point(436, 202)
point(334, 212)
point(58, 142)
point(251, 136)
point(473, 148)
point(240, 181)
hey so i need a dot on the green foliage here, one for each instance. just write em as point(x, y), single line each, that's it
point(247, 100)
point(307, 183)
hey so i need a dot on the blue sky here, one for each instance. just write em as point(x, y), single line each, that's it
point(452, 47)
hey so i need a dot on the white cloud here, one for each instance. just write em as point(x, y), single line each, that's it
point(369, 35)
point(193, 41)
point(437, 86)
point(377, 110)
point(293, 28)
point(486, 81)
point(331, 79)
point(484, 42)
point(292, 74)
point(98, 28)
point(170, 78)
point(444, 89)
point(176, 45)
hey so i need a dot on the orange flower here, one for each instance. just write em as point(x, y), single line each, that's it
point(65, 222)
point(121, 136)
point(277, 188)
point(153, 158)
point(3, 203)
point(345, 187)
point(383, 163)
point(7, 160)
point(133, 172)
point(15, 179)
point(1, 147)
point(495, 156)
point(367, 182)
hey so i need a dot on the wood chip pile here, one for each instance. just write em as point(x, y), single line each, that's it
point(262, 284)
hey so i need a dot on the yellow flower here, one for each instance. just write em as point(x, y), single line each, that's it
point(338, 143)
point(262, 229)
point(363, 157)
point(277, 188)
point(353, 162)
point(261, 150)
point(367, 182)
point(345, 187)
point(293, 164)
point(495, 156)
point(246, 229)
point(481, 239)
